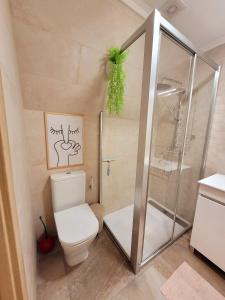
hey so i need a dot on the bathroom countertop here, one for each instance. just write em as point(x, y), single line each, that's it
point(216, 181)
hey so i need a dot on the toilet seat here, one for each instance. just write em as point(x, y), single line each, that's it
point(76, 224)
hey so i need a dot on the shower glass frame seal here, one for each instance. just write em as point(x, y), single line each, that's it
point(153, 27)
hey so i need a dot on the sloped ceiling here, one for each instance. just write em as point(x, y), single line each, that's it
point(202, 21)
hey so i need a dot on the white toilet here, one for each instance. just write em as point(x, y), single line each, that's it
point(76, 224)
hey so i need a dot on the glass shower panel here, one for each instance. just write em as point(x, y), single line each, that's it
point(195, 141)
point(168, 131)
point(119, 152)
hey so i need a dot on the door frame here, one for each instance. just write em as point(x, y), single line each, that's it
point(12, 272)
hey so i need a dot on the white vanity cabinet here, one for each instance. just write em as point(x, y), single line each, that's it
point(208, 234)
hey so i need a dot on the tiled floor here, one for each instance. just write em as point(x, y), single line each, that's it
point(106, 275)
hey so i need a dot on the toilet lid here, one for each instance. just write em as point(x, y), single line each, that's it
point(76, 224)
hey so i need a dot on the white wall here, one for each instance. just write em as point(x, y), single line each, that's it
point(14, 115)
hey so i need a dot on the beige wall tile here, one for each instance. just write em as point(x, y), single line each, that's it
point(46, 54)
point(62, 50)
point(17, 143)
point(216, 152)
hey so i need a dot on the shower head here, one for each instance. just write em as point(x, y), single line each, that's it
point(165, 89)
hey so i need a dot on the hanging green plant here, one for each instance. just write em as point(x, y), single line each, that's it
point(116, 80)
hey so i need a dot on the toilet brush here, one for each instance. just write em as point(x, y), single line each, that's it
point(47, 242)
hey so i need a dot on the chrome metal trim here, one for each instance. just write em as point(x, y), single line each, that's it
point(152, 27)
point(176, 35)
point(182, 152)
point(100, 155)
point(161, 249)
point(210, 120)
point(185, 42)
point(149, 82)
point(135, 36)
point(212, 199)
point(169, 213)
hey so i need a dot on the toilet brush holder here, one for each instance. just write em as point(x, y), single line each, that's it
point(46, 242)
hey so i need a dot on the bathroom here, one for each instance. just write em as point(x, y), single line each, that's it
point(54, 63)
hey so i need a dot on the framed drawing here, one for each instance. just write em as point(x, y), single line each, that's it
point(64, 140)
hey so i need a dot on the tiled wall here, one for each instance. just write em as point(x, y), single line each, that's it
point(216, 153)
point(120, 137)
point(120, 143)
point(61, 48)
point(17, 143)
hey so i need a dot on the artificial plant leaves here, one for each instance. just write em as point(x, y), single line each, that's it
point(116, 81)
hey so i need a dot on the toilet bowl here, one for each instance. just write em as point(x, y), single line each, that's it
point(77, 227)
point(76, 224)
point(76, 254)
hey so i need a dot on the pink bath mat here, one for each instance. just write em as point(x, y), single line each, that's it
point(186, 284)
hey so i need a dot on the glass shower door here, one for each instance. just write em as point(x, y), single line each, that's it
point(119, 136)
point(152, 154)
point(168, 132)
point(195, 144)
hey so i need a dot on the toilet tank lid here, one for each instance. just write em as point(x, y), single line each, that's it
point(66, 175)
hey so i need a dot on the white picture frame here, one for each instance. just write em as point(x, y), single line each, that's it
point(64, 140)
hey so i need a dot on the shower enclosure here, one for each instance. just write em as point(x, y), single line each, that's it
point(153, 154)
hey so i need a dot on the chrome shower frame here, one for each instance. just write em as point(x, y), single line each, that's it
point(153, 27)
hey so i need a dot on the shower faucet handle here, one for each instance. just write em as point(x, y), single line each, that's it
point(108, 161)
